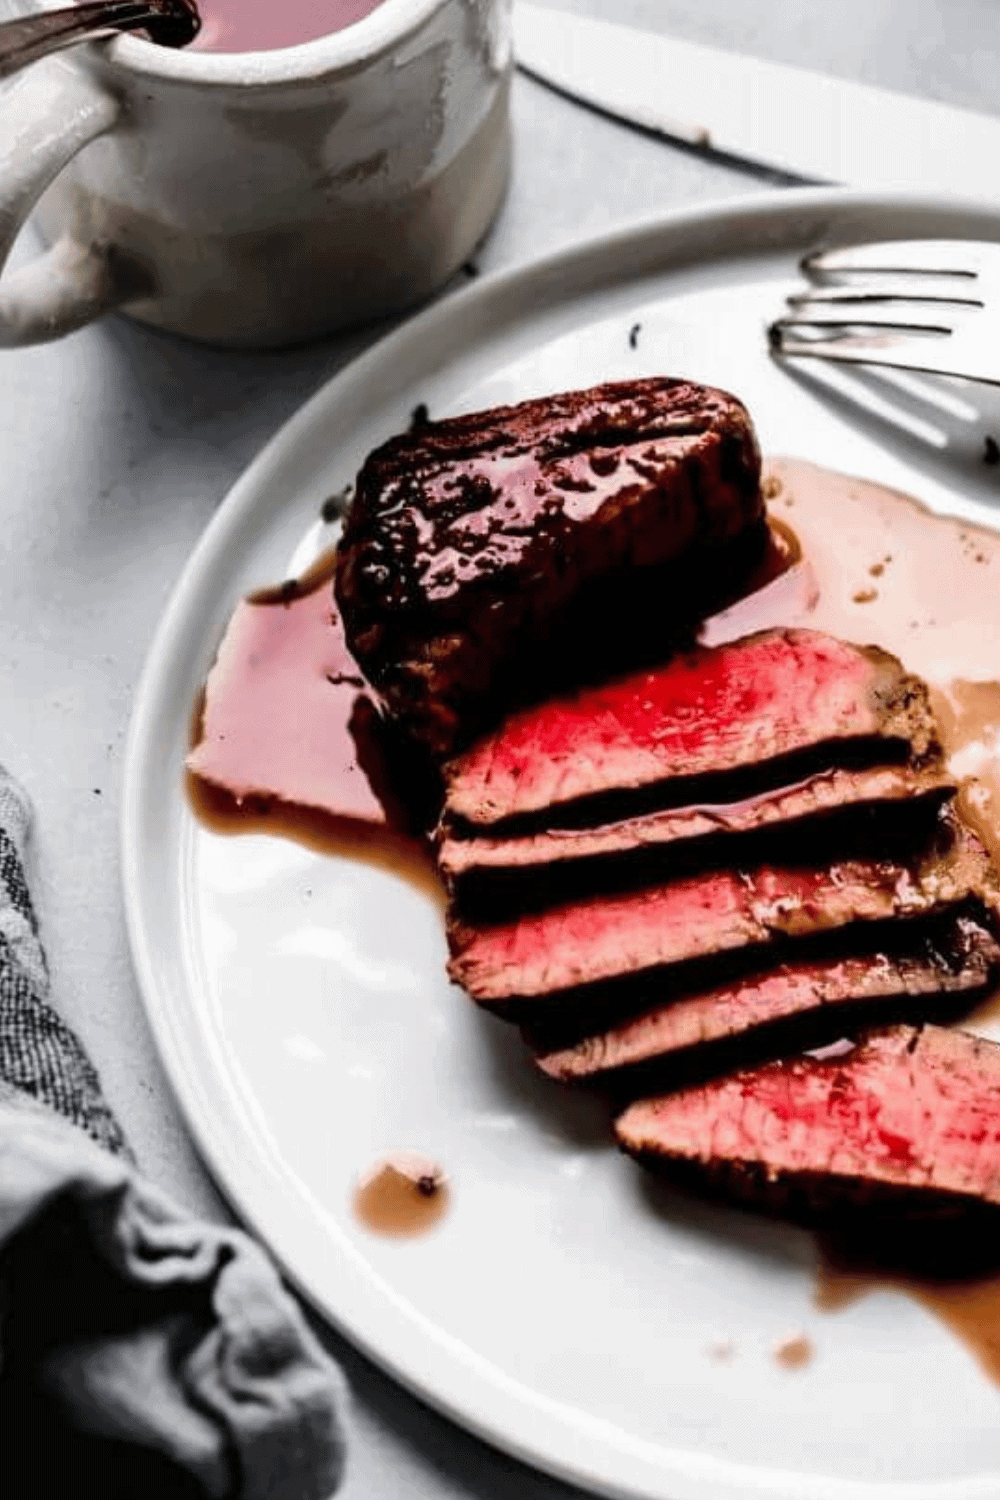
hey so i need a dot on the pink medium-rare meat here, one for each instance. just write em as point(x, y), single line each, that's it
point(714, 711)
point(937, 974)
point(628, 936)
point(870, 799)
point(485, 558)
point(907, 1119)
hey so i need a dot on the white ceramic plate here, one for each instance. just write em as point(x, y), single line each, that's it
point(563, 1309)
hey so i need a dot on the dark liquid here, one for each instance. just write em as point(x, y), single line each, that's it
point(262, 25)
point(794, 1353)
point(951, 1270)
point(402, 1196)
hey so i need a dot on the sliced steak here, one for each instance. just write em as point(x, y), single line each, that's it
point(490, 558)
point(868, 809)
point(907, 1120)
point(714, 725)
point(918, 973)
point(621, 950)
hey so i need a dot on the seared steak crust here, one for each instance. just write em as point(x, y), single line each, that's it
point(487, 558)
point(908, 1120)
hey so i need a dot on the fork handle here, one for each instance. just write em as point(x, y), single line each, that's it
point(172, 23)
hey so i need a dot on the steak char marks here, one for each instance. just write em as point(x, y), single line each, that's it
point(487, 559)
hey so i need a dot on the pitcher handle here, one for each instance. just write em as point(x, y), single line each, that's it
point(47, 114)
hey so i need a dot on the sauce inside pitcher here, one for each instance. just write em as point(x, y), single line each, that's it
point(261, 25)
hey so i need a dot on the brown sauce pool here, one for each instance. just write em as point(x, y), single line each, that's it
point(952, 1271)
point(793, 1353)
point(288, 740)
point(969, 1307)
point(402, 1196)
point(861, 561)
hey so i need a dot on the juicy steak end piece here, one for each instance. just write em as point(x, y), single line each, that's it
point(484, 556)
point(908, 1120)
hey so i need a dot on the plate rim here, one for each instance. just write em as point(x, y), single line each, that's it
point(597, 1456)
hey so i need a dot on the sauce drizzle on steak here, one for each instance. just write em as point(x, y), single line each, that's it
point(490, 558)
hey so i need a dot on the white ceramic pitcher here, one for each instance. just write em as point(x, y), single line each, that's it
point(254, 199)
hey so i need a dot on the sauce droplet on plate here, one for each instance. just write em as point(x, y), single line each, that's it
point(794, 1353)
point(402, 1195)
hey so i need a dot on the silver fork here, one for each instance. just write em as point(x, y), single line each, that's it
point(927, 305)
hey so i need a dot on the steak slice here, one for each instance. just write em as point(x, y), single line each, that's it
point(932, 973)
point(907, 1121)
point(861, 809)
point(714, 725)
point(491, 558)
point(609, 948)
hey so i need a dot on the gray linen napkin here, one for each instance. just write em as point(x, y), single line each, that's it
point(141, 1353)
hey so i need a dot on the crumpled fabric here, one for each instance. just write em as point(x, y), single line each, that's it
point(142, 1353)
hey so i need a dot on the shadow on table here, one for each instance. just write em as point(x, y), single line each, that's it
point(945, 428)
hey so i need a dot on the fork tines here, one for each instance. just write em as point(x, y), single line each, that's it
point(915, 305)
